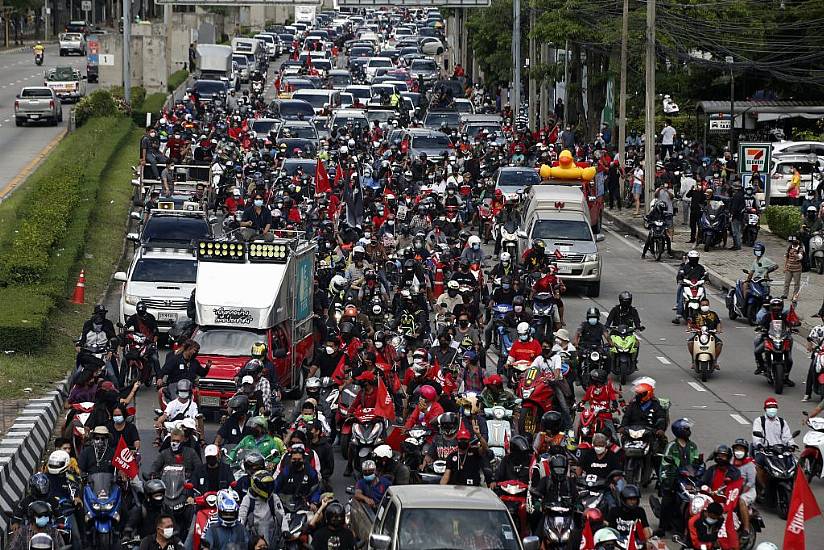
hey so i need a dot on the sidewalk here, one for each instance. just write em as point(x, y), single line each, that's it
point(26, 47)
point(725, 266)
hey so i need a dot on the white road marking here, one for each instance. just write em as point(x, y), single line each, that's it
point(696, 386)
point(740, 394)
point(740, 419)
point(699, 406)
point(663, 360)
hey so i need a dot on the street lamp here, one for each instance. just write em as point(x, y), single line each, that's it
point(730, 61)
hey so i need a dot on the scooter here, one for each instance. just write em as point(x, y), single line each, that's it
point(623, 352)
point(637, 442)
point(591, 421)
point(176, 495)
point(536, 395)
point(781, 466)
point(543, 314)
point(101, 499)
point(657, 238)
point(590, 358)
point(778, 353)
point(737, 307)
point(499, 431)
point(703, 352)
point(811, 460)
point(557, 525)
point(509, 238)
point(692, 292)
point(38, 58)
point(752, 224)
point(713, 225)
point(138, 350)
point(817, 251)
point(368, 431)
point(206, 511)
point(513, 494)
point(256, 86)
point(296, 523)
point(348, 393)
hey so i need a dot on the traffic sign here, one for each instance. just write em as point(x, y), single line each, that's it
point(86, 5)
point(106, 59)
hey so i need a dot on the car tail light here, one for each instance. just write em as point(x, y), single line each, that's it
point(16, 104)
point(51, 104)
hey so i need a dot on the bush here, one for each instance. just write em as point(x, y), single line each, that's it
point(783, 220)
point(24, 320)
point(99, 103)
point(138, 95)
point(176, 79)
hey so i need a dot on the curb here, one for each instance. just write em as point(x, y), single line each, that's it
point(23, 445)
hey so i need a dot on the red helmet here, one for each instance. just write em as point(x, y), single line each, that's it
point(494, 380)
point(594, 515)
point(428, 392)
point(499, 193)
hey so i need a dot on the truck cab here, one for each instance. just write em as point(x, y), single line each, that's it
point(253, 292)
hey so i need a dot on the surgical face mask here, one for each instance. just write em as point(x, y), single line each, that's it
point(518, 309)
point(504, 286)
point(369, 477)
point(307, 417)
point(546, 352)
point(168, 532)
point(599, 450)
point(524, 337)
point(452, 292)
point(463, 323)
point(772, 412)
point(330, 350)
point(175, 446)
point(118, 419)
point(740, 454)
point(258, 203)
point(759, 253)
point(378, 345)
point(592, 321)
point(42, 521)
point(184, 395)
point(705, 308)
point(711, 521)
point(476, 246)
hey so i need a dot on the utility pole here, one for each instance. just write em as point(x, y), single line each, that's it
point(127, 38)
point(566, 82)
point(622, 98)
point(649, 140)
point(533, 84)
point(516, 59)
point(729, 59)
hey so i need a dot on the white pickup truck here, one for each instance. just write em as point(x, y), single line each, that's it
point(72, 42)
point(67, 82)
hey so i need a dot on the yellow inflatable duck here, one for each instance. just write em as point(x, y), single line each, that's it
point(567, 169)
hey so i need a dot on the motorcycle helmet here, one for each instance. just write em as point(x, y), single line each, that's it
point(238, 404)
point(383, 451)
point(448, 424)
point(523, 331)
point(759, 249)
point(506, 257)
point(313, 387)
point(428, 392)
point(625, 299)
point(766, 545)
point(253, 367)
point(38, 509)
point(551, 422)
point(347, 328)
point(722, 450)
point(227, 507)
point(334, 514)
point(518, 301)
point(184, 388)
point(692, 257)
point(598, 376)
point(39, 486)
point(631, 492)
point(252, 462)
point(558, 465)
point(339, 283)
point(58, 462)
point(259, 350)
point(519, 445)
point(777, 305)
point(740, 448)
point(644, 389)
point(141, 308)
point(682, 428)
point(474, 241)
point(605, 535)
point(262, 484)
point(155, 490)
point(41, 541)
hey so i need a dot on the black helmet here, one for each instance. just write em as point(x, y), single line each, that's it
point(593, 312)
point(39, 486)
point(154, 490)
point(38, 509)
point(598, 376)
point(448, 424)
point(722, 449)
point(741, 442)
point(100, 309)
point(335, 513)
point(682, 428)
point(519, 445)
point(629, 492)
point(558, 465)
point(518, 300)
point(141, 307)
point(379, 336)
point(625, 298)
point(551, 422)
point(347, 328)
point(239, 404)
point(252, 462)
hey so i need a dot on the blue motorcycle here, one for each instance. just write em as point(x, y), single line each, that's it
point(748, 309)
point(713, 225)
point(102, 499)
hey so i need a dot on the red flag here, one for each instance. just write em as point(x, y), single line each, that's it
point(338, 175)
point(587, 539)
point(351, 350)
point(631, 545)
point(321, 179)
point(803, 507)
point(792, 317)
point(558, 254)
point(727, 535)
point(124, 459)
point(384, 404)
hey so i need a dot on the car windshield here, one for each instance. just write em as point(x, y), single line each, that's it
point(241, 60)
point(518, 178)
point(359, 122)
point(381, 116)
point(322, 64)
point(205, 87)
point(262, 126)
point(61, 74)
point(296, 109)
point(36, 92)
point(315, 100)
point(571, 230)
point(430, 142)
point(174, 229)
point(226, 342)
point(291, 166)
point(303, 132)
point(450, 528)
point(452, 119)
point(360, 93)
point(423, 65)
point(473, 129)
point(340, 79)
point(373, 63)
point(151, 270)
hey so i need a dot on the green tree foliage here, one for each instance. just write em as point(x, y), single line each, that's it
point(490, 36)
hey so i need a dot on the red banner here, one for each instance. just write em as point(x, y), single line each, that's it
point(384, 404)
point(124, 459)
point(803, 507)
point(727, 535)
point(321, 179)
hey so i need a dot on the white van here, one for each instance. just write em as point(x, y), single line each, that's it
point(319, 99)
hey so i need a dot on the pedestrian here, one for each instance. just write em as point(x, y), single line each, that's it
point(667, 139)
point(614, 175)
point(737, 214)
point(792, 266)
point(794, 188)
point(638, 187)
point(192, 57)
point(559, 109)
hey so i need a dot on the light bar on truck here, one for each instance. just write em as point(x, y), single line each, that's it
point(268, 253)
point(215, 251)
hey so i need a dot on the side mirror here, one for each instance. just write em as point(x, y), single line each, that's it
point(121, 276)
point(382, 542)
point(796, 433)
point(531, 542)
point(134, 237)
point(522, 234)
point(279, 353)
point(758, 433)
point(212, 220)
point(676, 539)
point(188, 486)
point(599, 237)
point(135, 215)
point(805, 413)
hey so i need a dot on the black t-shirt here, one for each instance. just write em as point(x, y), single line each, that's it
point(328, 363)
point(327, 539)
point(622, 519)
point(259, 221)
point(231, 432)
point(466, 469)
point(129, 433)
point(601, 467)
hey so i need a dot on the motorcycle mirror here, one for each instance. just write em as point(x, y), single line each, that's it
point(188, 486)
point(531, 542)
point(599, 237)
point(796, 433)
point(759, 433)
point(805, 413)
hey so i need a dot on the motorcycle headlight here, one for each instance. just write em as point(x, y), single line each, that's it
point(357, 430)
point(636, 434)
point(511, 489)
point(96, 506)
point(595, 356)
point(704, 338)
point(439, 466)
point(817, 241)
point(527, 393)
point(498, 413)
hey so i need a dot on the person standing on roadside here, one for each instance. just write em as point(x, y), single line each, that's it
point(667, 140)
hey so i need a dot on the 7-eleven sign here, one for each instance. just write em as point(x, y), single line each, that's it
point(754, 157)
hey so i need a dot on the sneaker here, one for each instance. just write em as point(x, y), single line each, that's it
point(676, 321)
point(789, 383)
point(805, 399)
point(758, 370)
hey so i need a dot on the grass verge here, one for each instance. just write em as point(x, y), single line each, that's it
point(101, 255)
point(176, 79)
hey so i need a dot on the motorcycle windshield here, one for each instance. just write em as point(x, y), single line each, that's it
point(174, 478)
point(101, 485)
point(776, 329)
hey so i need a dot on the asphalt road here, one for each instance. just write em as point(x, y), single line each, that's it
point(21, 145)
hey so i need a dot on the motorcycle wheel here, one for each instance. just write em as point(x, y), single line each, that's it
point(704, 369)
point(778, 382)
point(659, 250)
point(751, 312)
point(646, 474)
point(748, 538)
point(707, 246)
point(809, 467)
point(622, 377)
point(732, 313)
point(820, 265)
point(633, 471)
point(782, 503)
point(104, 541)
point(345, 439)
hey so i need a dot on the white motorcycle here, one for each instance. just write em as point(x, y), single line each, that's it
point(817, 252)
point(812, 457)
point(703, 352)
point(692, 292)
point(499, 431)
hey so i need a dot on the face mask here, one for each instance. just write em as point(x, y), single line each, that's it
point(546, 352)
point(378, 345)
point(518, 309)
point(711, 521)
point(118, 419)
point(504, 286)
point(297, 464)
point(330, 350)
point(211, 461)
point(308, 417)
point(476, 247)
point(258, 203)
point(183, 395)
point(593, 321)
point(705, 308)
point(599, 450)
point(42, 521)
point(175, 446)
point(168, 532)
point(463, 445)
point(463, 324)
point(99, 443)
point(523, 337)
point(740, 454)
point(771, 412)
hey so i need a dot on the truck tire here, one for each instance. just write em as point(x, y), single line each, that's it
point(62, 52)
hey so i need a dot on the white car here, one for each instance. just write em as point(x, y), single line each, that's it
point(376, 63)
point(781, 172)
point(163, 279)
point(783, 148)
point(431, 46)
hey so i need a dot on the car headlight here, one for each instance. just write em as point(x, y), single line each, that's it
point(131, 299)
point(591, 258)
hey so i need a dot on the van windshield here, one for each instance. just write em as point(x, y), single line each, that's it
point(425, 528)
point(226, 342)
point(571, 230)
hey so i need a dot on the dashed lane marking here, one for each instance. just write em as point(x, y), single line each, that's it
point(664, 360)
point(696, 386)
point(740, 419)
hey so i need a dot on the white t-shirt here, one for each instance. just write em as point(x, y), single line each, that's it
point(173, 408)
point(638, 175)
point(667, 135)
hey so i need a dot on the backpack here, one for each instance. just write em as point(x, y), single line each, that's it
point(764, 425)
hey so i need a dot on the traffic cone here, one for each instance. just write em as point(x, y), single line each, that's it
point(79, 295)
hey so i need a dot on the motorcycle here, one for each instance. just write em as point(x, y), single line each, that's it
point(592, 357)
point(811, 460)
point(638, 442)
point(557, 525)
point(175, 498)
point(687, 485)
point(38, 58)
point(499, 312)
point(543, 315)
point(499, 431)
point(703, 352)
point(517, 370)
point(781, 466)
point(368, 431)
point(413, 452)
point(256, 86)
point(513, 494)
point(657, 238)
point(75, 426)
point(347, 396)
point(692, 293)
point(296, 522)
point(206, 511)
point(623, 352)
point(817, 251)
point(536, 393)
point(101, 499)
point(737, 307)
point(593, 490)
point(752, 224)
point(713, 225)
point(138, 350)
point(591, 421)
point(777, 353)
point(509, 238)
point(486, 217)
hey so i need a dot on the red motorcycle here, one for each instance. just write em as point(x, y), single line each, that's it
point(138, 351)
point(592, 420)
point(486, 217)
point(513, 494)
point(536, 393)
point(365, 431)
point(206, 510)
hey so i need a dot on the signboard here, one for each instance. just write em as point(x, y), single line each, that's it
point(754, 157)
point(416, 3)
point(106, 59)
point(229, 2)
point(86, 5)
point(720, 125)
point(305, 286)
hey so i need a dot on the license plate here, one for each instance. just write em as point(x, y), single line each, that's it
point(35, 116)
point(564, 268)
point(206, 401)
point(164, 316)
point(753, 219)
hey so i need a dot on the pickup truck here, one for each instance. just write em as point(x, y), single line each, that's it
point(72, 42)
point(37, 103)
point(66, 82)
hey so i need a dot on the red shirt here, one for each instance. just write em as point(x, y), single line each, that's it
point(435, 410)
point(364, 401)
point(525, 351)
point(233, 204)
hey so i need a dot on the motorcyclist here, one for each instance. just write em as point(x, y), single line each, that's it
point(624, 313)
point(646, 410)
point(525, 348)
point(40, 522)
point(394, 470)
point(691, 270)
point(39, 48)
point(39, 491)
point(591, 333)
point(703, 527)
point(705, 317)
point(177, 454)
point(231, 430)
point(64, 487)
point(468, 464)
point(603, 463)
point(259, 439)
point(426, 410)
point(97, 331)
point(298, 479)
point(761, 268)
point(504, 268)
point(182, 407)
point(515, 465)
point(143, 516)
point(473, 251)
point(679, 453)
point(535, 258)
point(629, 515)
point(746, 466)
point(227, 532)
point(556, 487)
point(722, 472)
point(261, 510)
point(657, 213)
point(145, 323)
point(495, 394)
point(450, 301)
point(601, 393)
point(774, 430)
point(776, 312)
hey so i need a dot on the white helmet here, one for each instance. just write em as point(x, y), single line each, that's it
point(606, 534)
point(767, 545)
point(351, 142)
point(344, 150)
point(473, 240)
point(312, 383)
point(383, 451)
point(338, 283)
point(359, 248)
point(693, 254)
point(523, 328)
point(506, 257)
point(58, 462)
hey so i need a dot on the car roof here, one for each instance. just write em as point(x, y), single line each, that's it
point(150, 252)
point(445, 496)
point(417, 132)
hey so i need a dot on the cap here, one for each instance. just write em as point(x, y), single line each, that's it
point(107, 386)
point(562, 334)
point(494, 379)
point(471, 355)
point(247, 379)
point(770, 402)
point(210, 450)
point(100, 430)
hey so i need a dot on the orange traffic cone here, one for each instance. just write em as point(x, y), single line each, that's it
point(79, 295)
